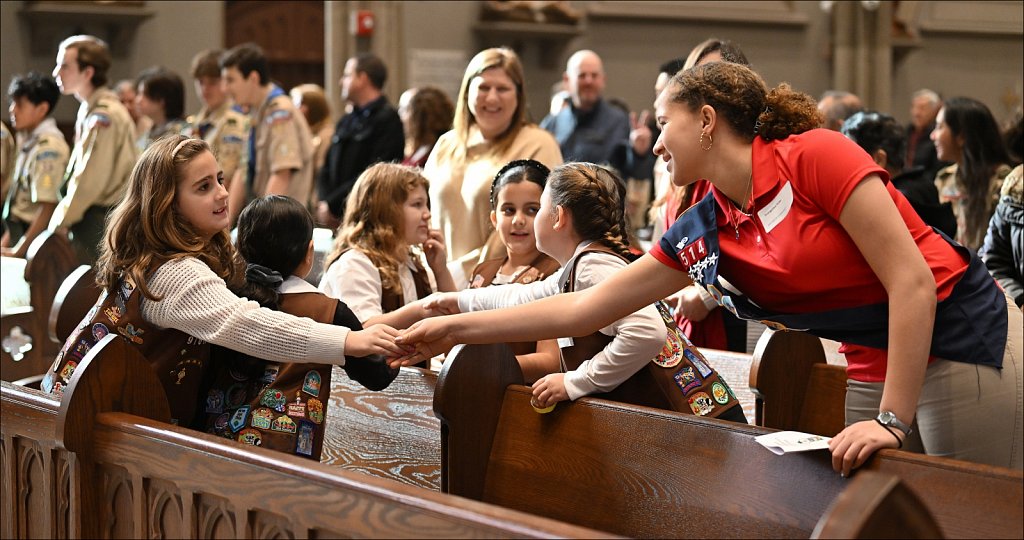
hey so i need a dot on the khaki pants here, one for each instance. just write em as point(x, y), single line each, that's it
point(966, 411)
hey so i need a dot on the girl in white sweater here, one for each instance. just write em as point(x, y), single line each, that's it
point(165, 265)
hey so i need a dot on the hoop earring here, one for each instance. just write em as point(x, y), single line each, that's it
point(711, 141)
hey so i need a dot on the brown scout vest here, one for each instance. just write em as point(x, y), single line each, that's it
point(391, 301)
point(678, 379)
point(179, 360)
point(279, 406)
point(540, 268)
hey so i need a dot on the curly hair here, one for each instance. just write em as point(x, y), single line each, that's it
point(596, 198)
point(744, 102)
point(430, 115)
point(874, 131)
point(374, 221)
point(145, 229)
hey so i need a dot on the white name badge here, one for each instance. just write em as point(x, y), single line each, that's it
point(564, 342)
point(773, 214)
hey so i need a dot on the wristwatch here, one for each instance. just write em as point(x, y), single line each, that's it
point(888, 419)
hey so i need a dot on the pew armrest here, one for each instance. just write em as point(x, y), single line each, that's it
point(877, 505)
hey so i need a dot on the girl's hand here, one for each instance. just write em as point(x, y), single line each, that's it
point(691, 304)
point(435, 250)
point(423, 341)
point(855, 444)
point(377, 339)
point(445, 303)
point(548, 390)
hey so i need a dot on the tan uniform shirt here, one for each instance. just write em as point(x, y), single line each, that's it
point(460, 190)
point(101, 160)
point(283, 142)
point(171, 127)
point(8, 149)
point(39, 170)
point(227, 133)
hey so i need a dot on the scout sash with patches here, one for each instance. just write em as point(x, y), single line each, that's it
point(970, 324)
point(679, 378)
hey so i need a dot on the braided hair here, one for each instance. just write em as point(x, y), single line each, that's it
point(596, 198)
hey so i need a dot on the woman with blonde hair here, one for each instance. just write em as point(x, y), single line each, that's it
point(491, 128)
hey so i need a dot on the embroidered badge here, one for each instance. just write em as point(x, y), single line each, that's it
point(270, 373)
point(283, 424)
point(316, 410)
point(238, 374)
point(701, 404)
point(298, 408)
point(47, 384)
point(311, 383)
point(672, 353)
point(262, 417)
point(215, 401)
point(236, 395)
point(58, 389)
point(238, 419)
point(250, 436)
point(698, 362)
point(81, 349)
point(99, 331)
point(687, 380)
point(98, 119)
point(68, 371)
point(221, 423)
point(720, 393)
point(274, 399)
point(279, 116)
point(304, 440)
point(133, 334)
point(690, 253)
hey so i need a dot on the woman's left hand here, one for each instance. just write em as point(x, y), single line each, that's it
point(435, 250)
point(855, 444)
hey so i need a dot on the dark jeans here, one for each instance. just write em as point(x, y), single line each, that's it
point(87, 234)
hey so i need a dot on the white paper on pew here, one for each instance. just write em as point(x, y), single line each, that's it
point(792, 441)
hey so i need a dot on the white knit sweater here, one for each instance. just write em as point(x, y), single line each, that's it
point(196, 301)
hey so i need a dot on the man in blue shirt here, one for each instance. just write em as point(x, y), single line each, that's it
point(590, 129)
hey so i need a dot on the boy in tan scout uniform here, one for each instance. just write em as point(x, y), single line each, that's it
point(281, 148)
point(40, 165)
point(104, 151)
point(223, 128)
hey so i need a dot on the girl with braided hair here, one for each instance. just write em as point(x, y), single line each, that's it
point(581, 224)
point(803, 230)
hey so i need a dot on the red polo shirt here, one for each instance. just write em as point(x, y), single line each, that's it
point(793, 255)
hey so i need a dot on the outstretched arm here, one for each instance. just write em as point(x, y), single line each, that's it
point(875, 225)
point(573, 314)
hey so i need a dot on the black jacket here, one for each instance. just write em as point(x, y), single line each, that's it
point(920, 190)
point(361, 138)
point(1003, 250)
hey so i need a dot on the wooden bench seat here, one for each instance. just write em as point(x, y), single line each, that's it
point(49, 260)
point(636, 471)
point(103, 463)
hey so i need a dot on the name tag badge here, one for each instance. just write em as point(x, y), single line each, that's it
point(565, 342)
point(773, 214)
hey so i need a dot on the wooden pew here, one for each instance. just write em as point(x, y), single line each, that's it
point(50, 259)
point(636, 471)
point(389, 434)
point(877, 506)
point(794, 387)
point(103, 463)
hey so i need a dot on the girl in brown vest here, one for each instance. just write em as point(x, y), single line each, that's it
point(376, 266)
point(165, 265)
point(515, 200)
point(275, 236)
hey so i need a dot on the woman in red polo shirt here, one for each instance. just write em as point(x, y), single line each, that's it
point(804, 231)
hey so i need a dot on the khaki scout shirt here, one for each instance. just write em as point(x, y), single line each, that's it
point(101, 160)
point(155, 133)
point(283, 142)
point(39, 170)
point(227, 133)
point(8, 150)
